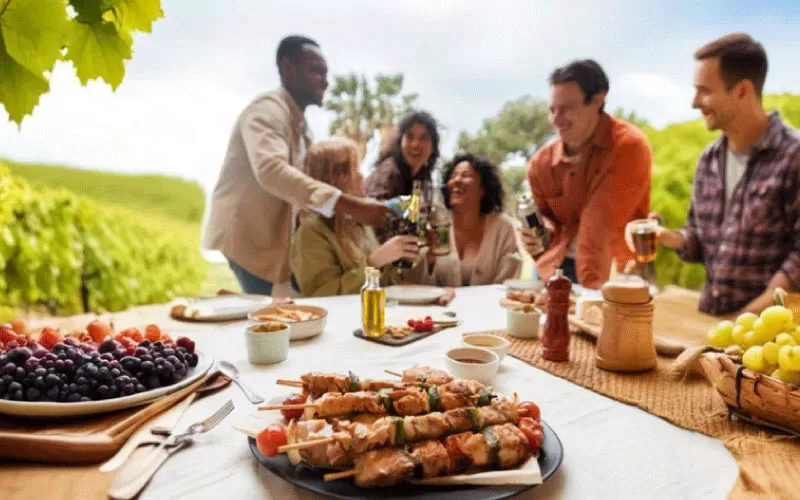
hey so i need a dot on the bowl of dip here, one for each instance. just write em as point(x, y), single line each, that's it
point(267, 342)
point(474, 363)
point(523, 322)
point(497, 345)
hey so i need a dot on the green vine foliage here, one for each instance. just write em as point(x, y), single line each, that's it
point(95, 36)
point(71, 254)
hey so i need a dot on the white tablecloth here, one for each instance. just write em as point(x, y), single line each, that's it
point(611, 450)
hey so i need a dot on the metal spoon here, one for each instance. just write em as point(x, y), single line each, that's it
point(231, 371)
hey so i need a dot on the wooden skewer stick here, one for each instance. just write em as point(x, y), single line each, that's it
point(299, 406)
point(339, 475)
point(289, 383)
point(390, 372)
point(305, 444)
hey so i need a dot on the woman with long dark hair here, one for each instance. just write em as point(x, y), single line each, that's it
point(482, 238)
point(411, 157)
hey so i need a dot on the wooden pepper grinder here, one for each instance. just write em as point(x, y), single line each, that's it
point(555, 340)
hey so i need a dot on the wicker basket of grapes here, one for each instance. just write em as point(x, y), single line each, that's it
point(754, 363)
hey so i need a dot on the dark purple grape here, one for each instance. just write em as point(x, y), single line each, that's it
point(19, 374)
point(73, 397)
point(168, 352)
point(51, 380)
point(116, 372)
point(14, 387)
point(31, 364)
point(72, 341)
point(140, 388)
point(115, 364)
point(158, 345)
point(59, 365)
point(50, 356)
point(47, 363)
point(128, 389)
point(148, 367)
point(113, 391)
point(17, 396)
point(192, 359)
point(69, 365)
point(18, 355)
point(39, 383)
point(9, 369)
point(108, 346)
point(40, 372)
point(102, 391)
point(130, 363)
point(123, 379)
point(145, 343)
point(33, 394)
point(94, 355)
point(52, 393)
point(140, 351)
point(173, 360)
point(146, 357)
point(107, 356)
point(59, 348)
point(84, 399)
point(72, 387)
point(40, 352)
point(7, 379)
point(91, 370)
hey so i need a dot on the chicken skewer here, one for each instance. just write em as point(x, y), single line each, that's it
point(335, 444)
point(403, 402)
point(501, 446)
point(316, 384)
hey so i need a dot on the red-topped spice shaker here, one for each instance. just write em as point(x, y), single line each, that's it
point(555, 339)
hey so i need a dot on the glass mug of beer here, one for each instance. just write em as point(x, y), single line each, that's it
point(645, 244)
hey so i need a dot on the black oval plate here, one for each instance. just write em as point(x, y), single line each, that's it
point(309, 478)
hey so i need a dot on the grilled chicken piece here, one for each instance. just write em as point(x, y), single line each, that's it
point(410, 401)
point(452, 400)
point(432, 457)
point(513, 445)
point(335, 454)
point(386, 467)
point(425, 374)
point(423, 427)
point(460, 386)
point(318, 384)
point(332, 404)
point(381, 433)
point(458, 420)
point(499, 412)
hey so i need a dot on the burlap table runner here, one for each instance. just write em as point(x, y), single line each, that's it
point(769, 464)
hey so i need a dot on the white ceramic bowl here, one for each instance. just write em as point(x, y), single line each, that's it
point(524, 325)
point(497, 345)
point(266, 348)
point(484, 372)
point(300, 329)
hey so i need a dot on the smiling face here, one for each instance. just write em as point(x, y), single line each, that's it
point(306, 77)
point(716, 103)
point(464, 187)
point(416, 145)
point(573, 118)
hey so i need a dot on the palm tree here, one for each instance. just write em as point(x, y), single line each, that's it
point(360, 110)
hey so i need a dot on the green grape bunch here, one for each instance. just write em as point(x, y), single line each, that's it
point(770, 342)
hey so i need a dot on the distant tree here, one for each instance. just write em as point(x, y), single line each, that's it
point(631, 117)
point(520, 127)
point(362, 107)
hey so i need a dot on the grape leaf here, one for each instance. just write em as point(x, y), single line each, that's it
point(98, 51)
point(139, 14)
point(34, 32)
point(19, 88)
point(89, 11)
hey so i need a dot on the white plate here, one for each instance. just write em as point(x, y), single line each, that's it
point(534, 285)
point(414, 294)
point(224, 307)
point(50, 409)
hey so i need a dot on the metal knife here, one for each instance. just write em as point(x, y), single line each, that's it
point(166, 420)
point(130, 481)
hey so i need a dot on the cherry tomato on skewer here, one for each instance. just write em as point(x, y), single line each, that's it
point(270, 439)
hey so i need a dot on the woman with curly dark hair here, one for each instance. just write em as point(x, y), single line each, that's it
point(411, 157)
point(482, 237)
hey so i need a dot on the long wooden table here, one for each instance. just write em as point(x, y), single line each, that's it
point(611, 450)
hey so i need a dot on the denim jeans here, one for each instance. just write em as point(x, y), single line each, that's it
point(251, 283)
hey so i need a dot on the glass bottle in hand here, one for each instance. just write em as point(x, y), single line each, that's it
point(409, 223)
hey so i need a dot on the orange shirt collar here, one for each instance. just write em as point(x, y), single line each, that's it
point(601, 139)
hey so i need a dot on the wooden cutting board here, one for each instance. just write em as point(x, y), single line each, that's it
point(90, 439)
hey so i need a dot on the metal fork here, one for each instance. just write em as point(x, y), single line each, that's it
point(199, 427)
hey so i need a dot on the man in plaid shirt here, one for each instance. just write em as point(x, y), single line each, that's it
point(744, 217)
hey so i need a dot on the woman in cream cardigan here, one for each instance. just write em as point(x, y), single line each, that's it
point(329, 255)
point(482, 237)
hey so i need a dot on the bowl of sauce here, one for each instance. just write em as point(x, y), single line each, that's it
point(267, 342)
point(497, 345)
point(474, 363)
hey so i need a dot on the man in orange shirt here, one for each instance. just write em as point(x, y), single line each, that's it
point(589, 182)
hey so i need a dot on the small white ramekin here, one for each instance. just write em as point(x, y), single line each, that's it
point(266, 348)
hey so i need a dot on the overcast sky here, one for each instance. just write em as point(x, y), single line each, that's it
point(206, 60)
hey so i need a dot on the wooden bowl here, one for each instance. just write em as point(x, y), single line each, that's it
point(755, 397)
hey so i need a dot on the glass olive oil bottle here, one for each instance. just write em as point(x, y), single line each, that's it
point(373, 304)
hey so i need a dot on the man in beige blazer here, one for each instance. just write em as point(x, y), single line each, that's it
point(262, 185)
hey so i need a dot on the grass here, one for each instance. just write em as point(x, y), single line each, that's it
point(157, 195)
